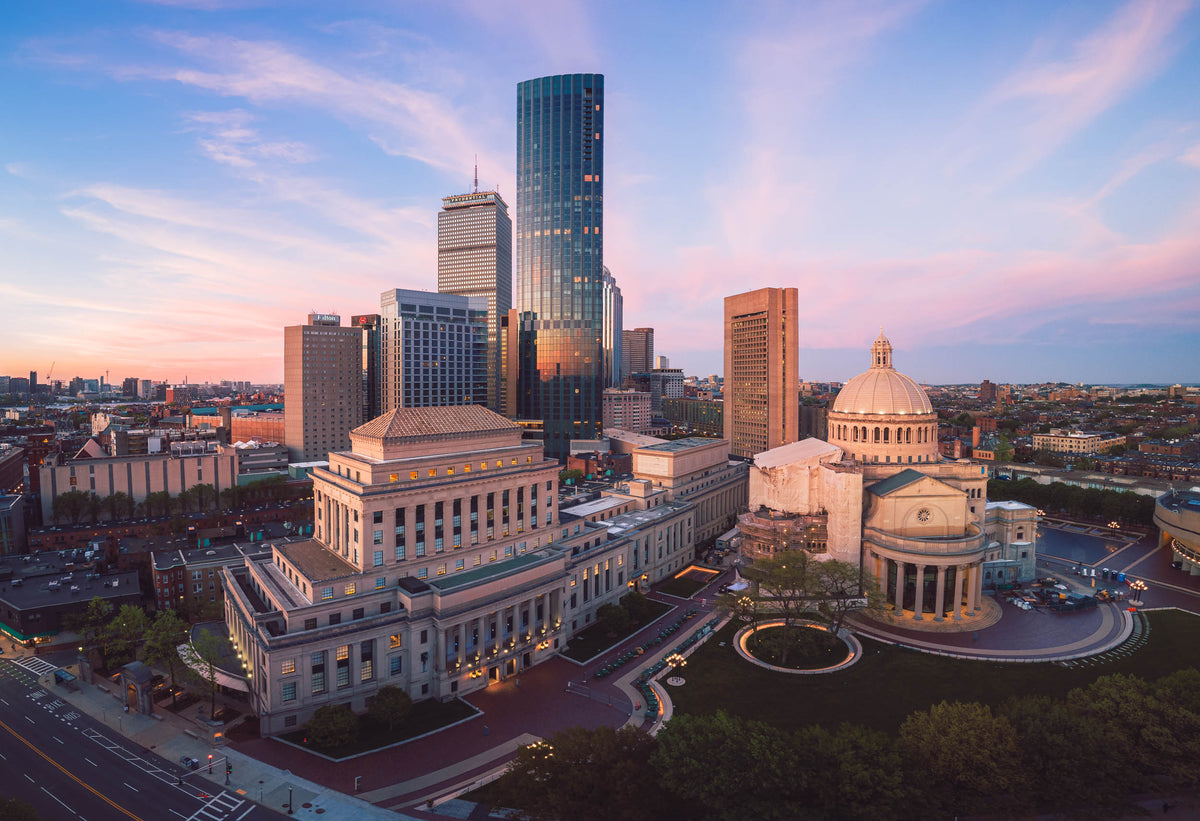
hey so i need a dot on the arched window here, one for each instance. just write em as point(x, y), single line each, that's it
point(908, 436)
point(856, 433)
point(885, 435)
point(876, 435)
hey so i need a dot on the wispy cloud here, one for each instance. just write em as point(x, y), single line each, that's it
point(229, 139)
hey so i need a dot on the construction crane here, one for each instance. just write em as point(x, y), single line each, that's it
point(50, 373)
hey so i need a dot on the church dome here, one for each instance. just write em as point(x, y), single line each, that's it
point(882, 389)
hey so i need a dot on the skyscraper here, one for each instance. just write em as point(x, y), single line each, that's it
point(637, 351)
point(475, 259)
point(762, 391)
point(433, 349)
point(614, 308)
point(560, 256)
point(322, 387)
point(372, 391)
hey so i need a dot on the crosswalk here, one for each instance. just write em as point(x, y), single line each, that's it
point(35, 665)
point(219, 807)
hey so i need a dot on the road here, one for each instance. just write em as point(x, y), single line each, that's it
point(70, 766)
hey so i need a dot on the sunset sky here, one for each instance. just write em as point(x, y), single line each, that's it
point(1011, 190)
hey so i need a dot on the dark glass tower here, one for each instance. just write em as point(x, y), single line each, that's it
point(560, 256)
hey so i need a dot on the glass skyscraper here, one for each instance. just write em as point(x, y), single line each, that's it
point(560, 256)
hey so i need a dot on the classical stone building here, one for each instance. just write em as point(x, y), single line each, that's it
point(440, 563)
point(881, 494)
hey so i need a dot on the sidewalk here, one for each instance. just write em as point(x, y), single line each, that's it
point(173, 736)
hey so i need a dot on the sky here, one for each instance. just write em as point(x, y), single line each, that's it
point(1011, 191)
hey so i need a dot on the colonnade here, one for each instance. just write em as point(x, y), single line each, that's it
point(968, 585)
point(527, 626)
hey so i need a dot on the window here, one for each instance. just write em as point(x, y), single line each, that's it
point(356, 613)
point(377, 537)
point(395, 665)
point(423, 573)
point(350, 589)
point(289, 721)
point(288, 667)
point(395, 640)
point(459, 564)
point(310, 624)
point(380, 582)
point(377, 517)
point(377, 558)
point(326, 593)
point(289, 691)
point(335, 618)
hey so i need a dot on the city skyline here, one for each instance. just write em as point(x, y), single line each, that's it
point(1012, 192)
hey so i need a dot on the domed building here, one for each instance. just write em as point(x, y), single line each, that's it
point(917, 522)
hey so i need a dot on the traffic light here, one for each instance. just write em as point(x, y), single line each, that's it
point(210, 763)
point(228, 767)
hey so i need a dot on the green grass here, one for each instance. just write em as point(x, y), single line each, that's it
point(888, 683)
point(595, 640)
point(681, 587)
point(426, 716)
point(810, 649)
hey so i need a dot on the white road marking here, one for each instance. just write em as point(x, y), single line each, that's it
point(93, 763)
point(247, 812)
point(3, 757)
point(56, 738)
point(130, 786)
point(30, 720)
point(5, 702)
point(181, 815)
point(59, 800)
point(31, 781)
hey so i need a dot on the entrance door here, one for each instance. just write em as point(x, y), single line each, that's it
point(493, 675)
point(510, 667)
point(527, 661)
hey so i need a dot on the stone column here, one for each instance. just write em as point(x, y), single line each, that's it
point(977, 588)
point(919, 594)
point(941, 593)
point(958, 591)
point(899, 586)
point(460, 634)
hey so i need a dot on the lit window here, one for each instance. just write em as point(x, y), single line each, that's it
point(289, 666)
point(395, 641)
point(350, 589)
point(326, 593)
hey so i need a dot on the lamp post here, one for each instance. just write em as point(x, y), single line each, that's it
point(1139, 589)
point(289, 800)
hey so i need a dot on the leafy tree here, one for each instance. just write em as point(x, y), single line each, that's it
point(842, 589)
point(94, 506)
point(158, 503)
point(390, 706)
point(90, 624)
point(1003, 451)
point(854, 773)
point(202, 656)
point(69, 505)
point(585, 775)
point(15, 809)
point(613, 619)
point(640, 608)
point(570, 477)
point(186, 499)
point(204, 495)
point(732, 768)
point(114, 504)
point(785, 581)
point(231, 498)
point(332, 726)
point(125, 633)
point(959, 756)
point(163, 637)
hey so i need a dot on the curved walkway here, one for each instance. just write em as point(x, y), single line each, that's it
point(847, 638)
point(1108, 627)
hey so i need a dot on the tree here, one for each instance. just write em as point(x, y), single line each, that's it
point(843, 589)
point(613, 619)
point(585, 775)
point(959, 756)
point(231, 498)
point(186, 499)
point(784, 581)
point(125, 633)
point(157, 503)
point(390, 706)
point(163, 637)
point(733, 768)
point(69, 505)
point(114, 504)
point(570, 477)
point(204, 495)
point(202, 656)
point(14, 809)
point(640, 608)
point(854, 773)
point(90, 625)
point(94, 505)
point(332, 726)
point(1003, 451)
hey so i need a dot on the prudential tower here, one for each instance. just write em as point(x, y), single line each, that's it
point(560, 256)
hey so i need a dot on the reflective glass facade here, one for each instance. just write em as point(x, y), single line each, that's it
point(559, 230)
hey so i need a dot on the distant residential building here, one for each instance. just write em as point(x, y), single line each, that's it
point(18, 386)
point(637, 351)
point(814, 421)
point(322, 376)
point(433, 349)
point(372, 389)
point(762, 346)
point(145, 389)
point(265, 426)
point(475, 259)
point(987, 391)
point(1061, 440)
point(627, 409)
point(190, 581)
point(12, 524)
point(661, 384)
point(38, 597)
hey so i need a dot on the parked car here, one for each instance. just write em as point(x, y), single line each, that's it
point(189, 762)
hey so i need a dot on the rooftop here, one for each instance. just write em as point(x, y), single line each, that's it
point(895, 482)
point(595, 506)
point(486, 572)
point(317, 562)
point(682, 444)
point(620, 525)
point(414, 423)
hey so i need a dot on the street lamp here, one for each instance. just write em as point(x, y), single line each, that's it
point(1139, 588)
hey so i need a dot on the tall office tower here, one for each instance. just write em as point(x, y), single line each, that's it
point(560, 256)
point(33, 383)
point(637, 351)
point(661, 362)
point(322, 386)
point(475, 259)
point(145, 389)
point(372, 392)
point(614, 307)
point(433, 349)
point(510, 344)
point(762, 386)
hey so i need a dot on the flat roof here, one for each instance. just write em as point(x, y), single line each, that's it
point(619, 525)
point(594, 506)
point(677, 445)
point(488, 571)
point(36, 592)
point(317, 562)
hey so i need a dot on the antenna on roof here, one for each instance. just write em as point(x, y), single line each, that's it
point(476, 173)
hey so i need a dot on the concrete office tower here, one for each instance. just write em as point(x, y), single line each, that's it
point(433, 349)
point(322, 386)
point(637, 351)
point(560, 256)
point(475, 259)
point(661, 363)
point(762, 344)
point(614, 308)
point(372, 392)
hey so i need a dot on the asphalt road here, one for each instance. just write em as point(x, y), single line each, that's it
point(71, 767)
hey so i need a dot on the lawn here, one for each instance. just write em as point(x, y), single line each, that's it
point(683, 587)
point(426, 716)
point(888, 683)
point(595, 640)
